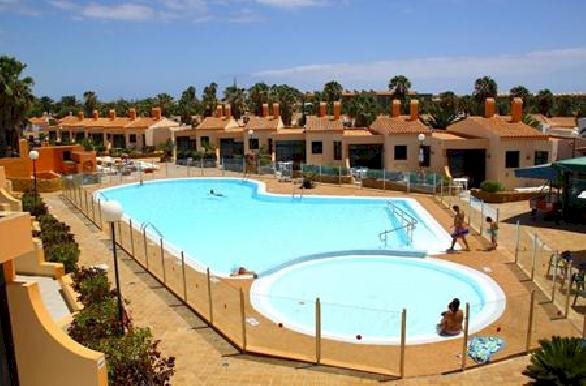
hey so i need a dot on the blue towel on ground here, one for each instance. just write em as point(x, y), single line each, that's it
point(482, 348)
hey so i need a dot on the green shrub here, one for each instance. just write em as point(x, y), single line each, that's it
point(561, 361)
point(491, 186)
point(135, 359)
point(32, 203)
point(92, 285)
point(96, 322)
point(66, 253)
point(308, 181)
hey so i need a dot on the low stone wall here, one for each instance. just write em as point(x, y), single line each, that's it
point(502, 197)
point(43, 185)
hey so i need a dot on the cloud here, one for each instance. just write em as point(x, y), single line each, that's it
point(292, 3)
point(136, 10)
point(436, 70)
point(244, 16)
point(19, 6)
point(118, 12)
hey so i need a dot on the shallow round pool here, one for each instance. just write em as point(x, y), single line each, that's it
point(362, 297)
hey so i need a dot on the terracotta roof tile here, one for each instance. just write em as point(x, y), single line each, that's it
point(323, 124)
point(398, 125)
point(215, 123)
point(567, 122)
point(116, 123)
point(262, 123)
point(497, 125)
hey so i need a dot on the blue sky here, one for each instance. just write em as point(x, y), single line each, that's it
point(137, 48)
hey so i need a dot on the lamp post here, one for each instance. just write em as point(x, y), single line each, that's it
point(34, 156)
point(112, 212)
point(421, 138)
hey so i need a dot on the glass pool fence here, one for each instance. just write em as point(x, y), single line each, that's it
point(224, 303)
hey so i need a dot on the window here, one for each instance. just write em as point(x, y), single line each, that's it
point(512, 159)
point(316, 147)
point(132, 138)
point(270, 146)
point(253, 143)
point(400, 152)
point(541, 157)
point(67, 155)
point(204, 141)
point(337, 151)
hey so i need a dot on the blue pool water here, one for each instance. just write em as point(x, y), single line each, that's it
point(259, 231)
point(363, 296)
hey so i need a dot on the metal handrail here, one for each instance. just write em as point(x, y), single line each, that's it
point(295, 182)
point(147, 224)
point(407, 222)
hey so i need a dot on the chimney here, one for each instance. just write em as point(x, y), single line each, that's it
point(95, 115)
point(112, 114)
point(322, 109)
point(516, 110)
point(396, 108)
point(265, 110)
point(414, 109)
point(132, 113)
point(80, 115)
point(276, 111)
point(156, 113)
point(489, 108)
point(228, 110)
point(337, 110)
point(219, 111)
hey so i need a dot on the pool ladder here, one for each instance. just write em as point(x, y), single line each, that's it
point(147, 224)
point(297, 190)
point(408, 222)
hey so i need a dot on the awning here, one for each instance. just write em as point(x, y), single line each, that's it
point(539, 172)
point(577, 165)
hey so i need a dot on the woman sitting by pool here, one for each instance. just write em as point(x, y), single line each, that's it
point(451, 323)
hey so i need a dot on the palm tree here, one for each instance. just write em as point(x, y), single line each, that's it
point(288, 98)
point(15, 99)
point(90, 102)
point(236, 97)
point(363, 108)
point(561, 361)
point(257, 96)
point(210, 99)
point(544, 100)
point(399, 85)
point(165, 102)
point(188, 104)
point(332, 91)
point(442, 116)
point(484, 87)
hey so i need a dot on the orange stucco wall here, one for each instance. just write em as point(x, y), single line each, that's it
point(45, 355)
point(50, 160)
point(15, 236)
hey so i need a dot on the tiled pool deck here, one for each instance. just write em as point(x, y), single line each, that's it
point(204, 357)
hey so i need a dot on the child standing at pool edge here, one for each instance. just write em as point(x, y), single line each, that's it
point(492, 231)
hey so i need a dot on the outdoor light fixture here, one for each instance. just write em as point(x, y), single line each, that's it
point(33, 155)
point(112, 213)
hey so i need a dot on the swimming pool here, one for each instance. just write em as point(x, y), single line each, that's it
point(264, 232)
point(362, 297)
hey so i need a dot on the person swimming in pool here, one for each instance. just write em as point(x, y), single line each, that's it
point(217, 194)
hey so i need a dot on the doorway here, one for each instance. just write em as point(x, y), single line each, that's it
point(470, 163)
